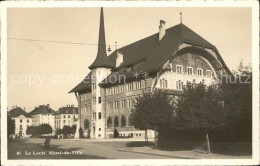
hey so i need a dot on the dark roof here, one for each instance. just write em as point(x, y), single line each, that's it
point(101, 59)
point(42, 109)
point(15, 112)
point(151, 53)
point(83, 85)
point(67, 110)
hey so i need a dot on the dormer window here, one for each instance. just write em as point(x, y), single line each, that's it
point(169, 67)
point(119, 59)
point(179, 69)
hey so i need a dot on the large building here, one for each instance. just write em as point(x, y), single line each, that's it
point(166, 60)
point(43, 114)
point(66, 116)
point(21, 119)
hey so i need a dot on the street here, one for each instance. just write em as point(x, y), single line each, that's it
point(33, 148)
point(90, 150)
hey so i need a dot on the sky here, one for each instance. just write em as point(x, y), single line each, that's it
point(41, 72)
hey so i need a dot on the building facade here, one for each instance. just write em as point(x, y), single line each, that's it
point(43, 114)
point(167, 61)
point(66, 116)
point(21, 119)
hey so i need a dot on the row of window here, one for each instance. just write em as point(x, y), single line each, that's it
point(94, 115)
point(163, 83)
point(64, 116)
point(179, 69)
point(118, 104)
point(86, 109)
point(124, 88)
point(179, 84)
point(57, 123)
point(84, 96)
point(115, 122)
point(94, 100)
point(21, 120)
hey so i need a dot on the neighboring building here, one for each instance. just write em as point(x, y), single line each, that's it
point(66, 116)
point(43, 114)
point(21, 120)
point(166, 60)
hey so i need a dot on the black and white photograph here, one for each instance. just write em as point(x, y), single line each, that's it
point(114, 81)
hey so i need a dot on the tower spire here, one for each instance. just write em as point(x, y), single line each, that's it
point(101, 59)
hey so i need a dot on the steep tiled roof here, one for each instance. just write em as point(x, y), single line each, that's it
point(151, 53)
point(42, 109)
point(67, 110)
point(15, 112)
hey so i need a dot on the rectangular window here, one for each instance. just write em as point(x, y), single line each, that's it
point(199, 72)
point(94, 100)
point(209, 73)
point(99, 99)
point(179, 84)
point(21, 120)
point(128, 104)
point(190, 70)
point(99, 129)
point(179, 69)
point(21, 127)
point(99, 115)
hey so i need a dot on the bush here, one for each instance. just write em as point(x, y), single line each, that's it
point(116, 134)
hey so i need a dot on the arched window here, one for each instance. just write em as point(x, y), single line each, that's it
point(109, 122)
point(116, 122)
point(123, 121)
point(86, 124)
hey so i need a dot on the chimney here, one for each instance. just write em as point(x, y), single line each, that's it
point(16, 106)
point(161, 29)
point(48, 106)
point(24, 108)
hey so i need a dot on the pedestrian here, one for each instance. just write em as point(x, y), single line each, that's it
point(47, 142)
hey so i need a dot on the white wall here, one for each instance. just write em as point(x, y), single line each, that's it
point(24, 122)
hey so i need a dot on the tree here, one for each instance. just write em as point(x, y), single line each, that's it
point(200, 108)
point(116, 134)
point(74, 128)
point(58, 132)
point(10, 127)
point(237, 98)
point(33, 130)
point(152, 111)
point(66, 130)
point(80, 132)
point(44, 129)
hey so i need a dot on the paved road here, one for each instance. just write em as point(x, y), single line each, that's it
point(68, 149)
